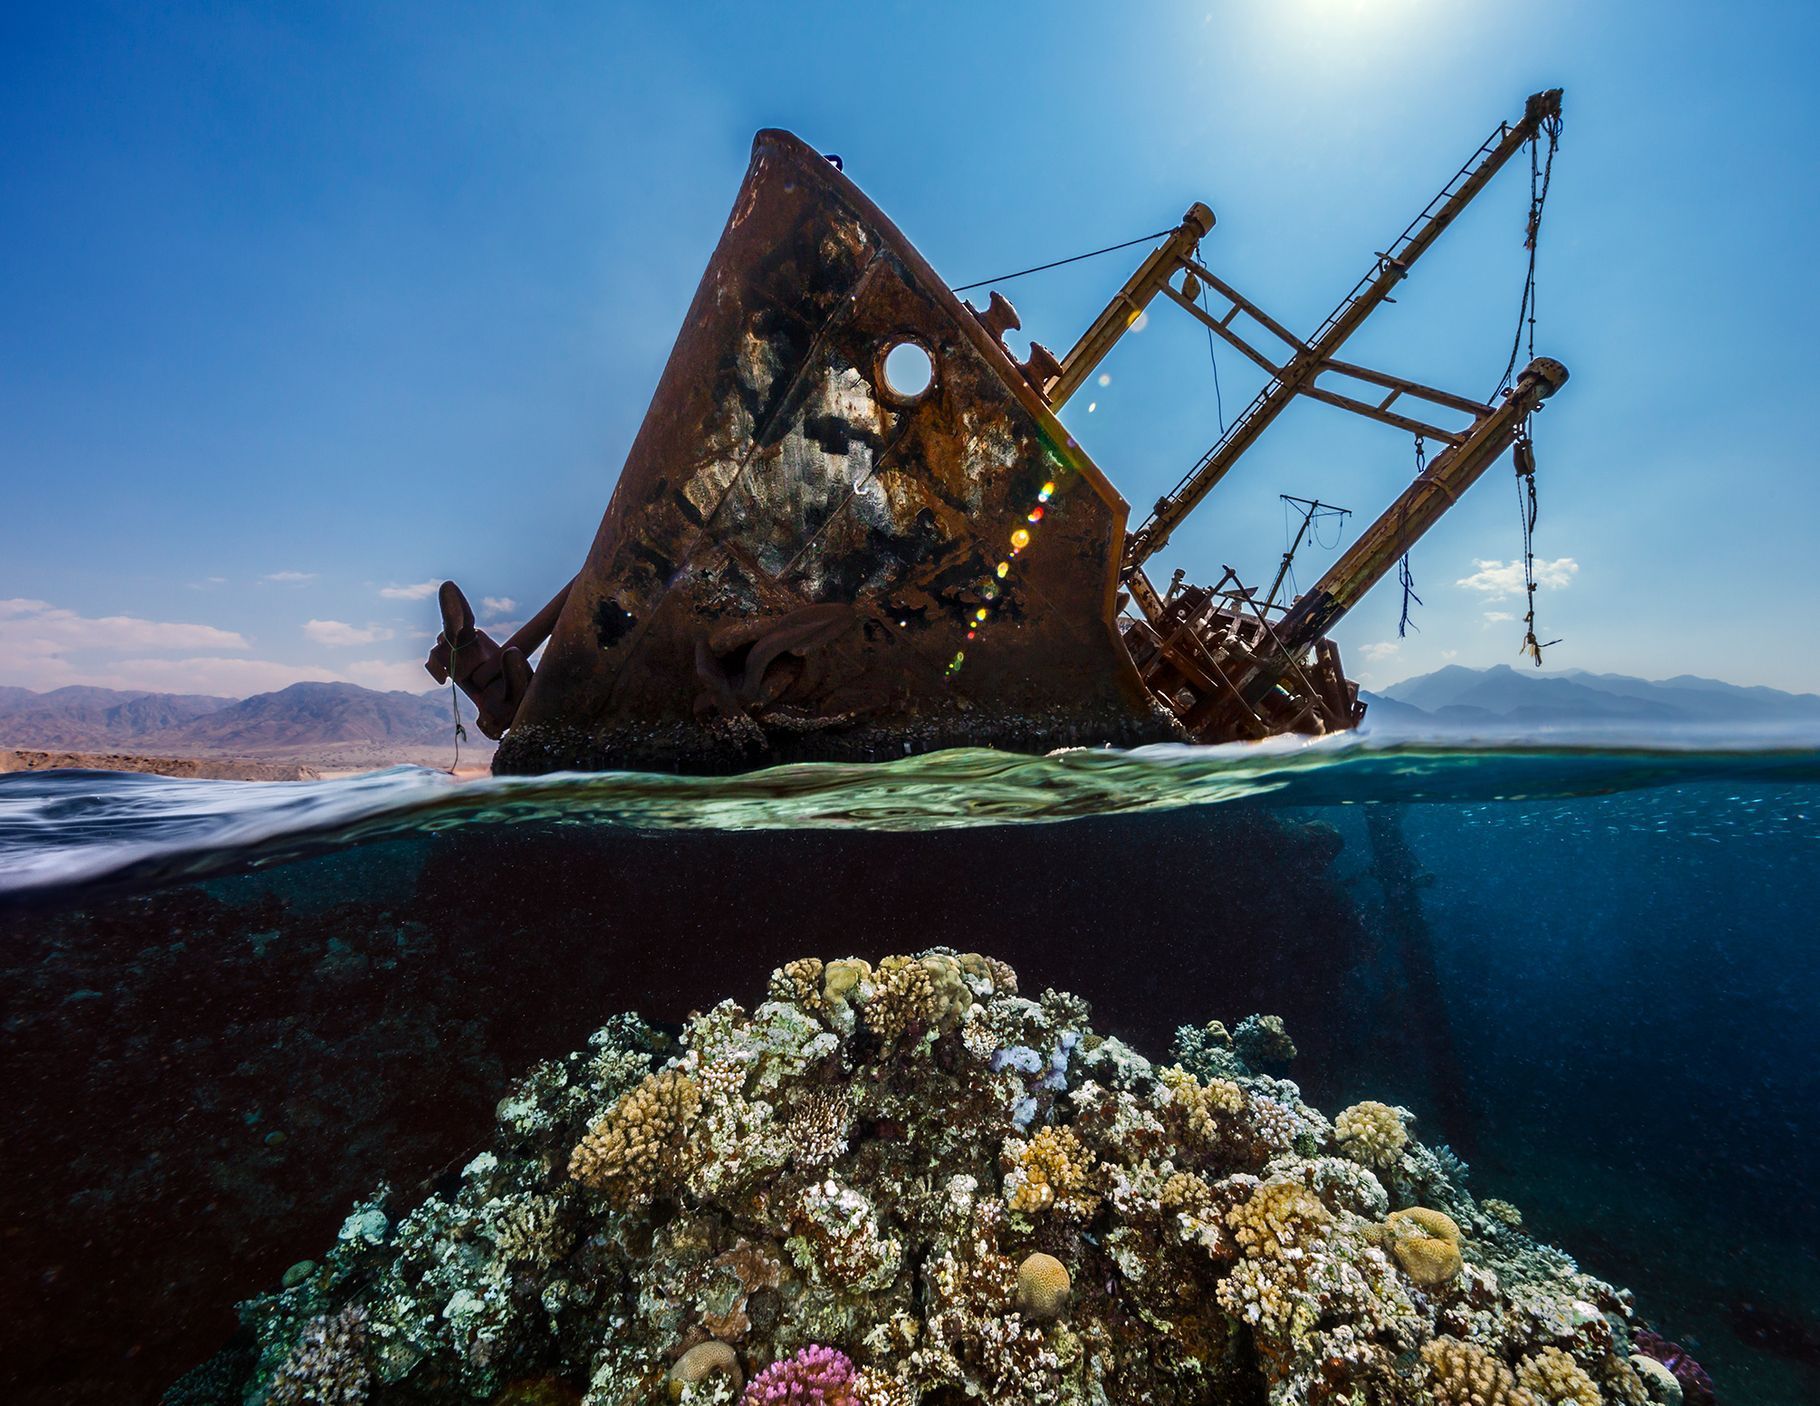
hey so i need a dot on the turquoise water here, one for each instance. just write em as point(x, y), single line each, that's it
point(232, 1009)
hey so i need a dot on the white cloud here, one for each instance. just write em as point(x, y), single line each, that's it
point(289, 578)
point(422, 590)
point(498, 605)
point(408, 675)
point(1382, 650)
point(1498, 579)
point(43, 646)
point(336, 632)
point(502, 630)
point(39, 629)
point(208, 583)
point(1498, 617)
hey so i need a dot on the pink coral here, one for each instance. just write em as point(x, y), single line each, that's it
point(816, 1376)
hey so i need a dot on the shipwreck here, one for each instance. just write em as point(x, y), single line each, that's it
point(854, 525)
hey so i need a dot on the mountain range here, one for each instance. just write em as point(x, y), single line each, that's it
point(1508, 702)
point(305, 715)
point(1499, 702)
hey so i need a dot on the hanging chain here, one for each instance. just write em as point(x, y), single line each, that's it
point(1524, 454)
point(1405, 578)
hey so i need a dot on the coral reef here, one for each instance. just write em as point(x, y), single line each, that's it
point(907, 1185)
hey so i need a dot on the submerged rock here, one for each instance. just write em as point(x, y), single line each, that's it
point(907, 1184)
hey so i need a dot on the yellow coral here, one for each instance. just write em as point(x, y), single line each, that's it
point(1467, 1375)
point(1000, 974)
point(872, 1387)
point(1043, 1287)
point(1502, 1211)
point(1554, 1377)
point(903, 999)
point(841, 978)
point(642, 1140)
point(800, 984)
point(1426, 1244)
point(1279, 1217)
point(704, 1360)
point(1371, 1134)
point(1051, 1171)
point(1203, 1105)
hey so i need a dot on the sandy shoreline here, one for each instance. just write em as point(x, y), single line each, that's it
point(330, 765)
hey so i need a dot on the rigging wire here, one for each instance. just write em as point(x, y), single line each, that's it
point(1219, 402)
point(1541, 171)
point(1072, 259)
point(1405, 577)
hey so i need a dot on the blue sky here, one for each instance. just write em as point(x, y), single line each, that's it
point(302, 311)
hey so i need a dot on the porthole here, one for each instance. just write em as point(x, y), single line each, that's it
point(906, 371)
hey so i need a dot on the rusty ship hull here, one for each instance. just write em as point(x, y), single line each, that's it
point(800, 562)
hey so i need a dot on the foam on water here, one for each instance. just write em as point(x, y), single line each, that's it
point(64, 828)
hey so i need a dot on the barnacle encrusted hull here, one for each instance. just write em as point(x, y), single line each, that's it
point(800, 561)
point(909, 1184)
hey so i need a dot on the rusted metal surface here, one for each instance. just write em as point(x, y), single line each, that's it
point(799, 561)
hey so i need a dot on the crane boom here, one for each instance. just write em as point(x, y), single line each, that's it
point(1316, 355)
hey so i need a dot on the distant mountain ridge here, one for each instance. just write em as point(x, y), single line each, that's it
point(1506, 700)
point(303, 715)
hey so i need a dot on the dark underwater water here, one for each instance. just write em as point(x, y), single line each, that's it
point(229, 1010)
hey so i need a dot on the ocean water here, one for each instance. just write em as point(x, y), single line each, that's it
point(231, 1009)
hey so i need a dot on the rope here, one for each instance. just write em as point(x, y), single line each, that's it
point(1073, 259)
point(1540, 173)
point(1406, 578)
point(461, 733)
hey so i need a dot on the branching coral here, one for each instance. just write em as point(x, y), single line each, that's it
point(1207, 1109)
point(1263, 1043)
point(800, 984)
point(643, 1139)
point(1553, 1377)
point(1052, 1171)
point(903, 1000)
point(1371, 1133)
point(328, 1365)
point(1463, 1374)
point(815, 1376)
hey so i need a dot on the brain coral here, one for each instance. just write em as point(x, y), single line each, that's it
point(706, 1360)
point(1051, 1171)
point(1042, 1287)
point(1426, 1244)
point(1466, 1375)
point(642, 1140)
point(1371, 1134)
point(1554, 1377)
